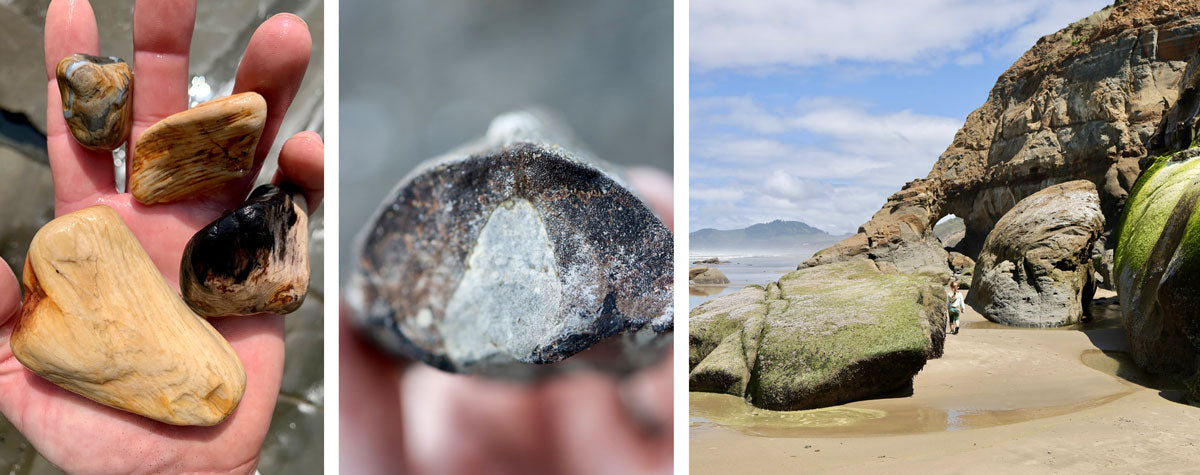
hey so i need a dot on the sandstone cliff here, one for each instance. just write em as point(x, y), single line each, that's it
point(1088, 102)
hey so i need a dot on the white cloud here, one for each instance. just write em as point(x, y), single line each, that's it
point(798, 33)
point(969, 59)
point(828, 162)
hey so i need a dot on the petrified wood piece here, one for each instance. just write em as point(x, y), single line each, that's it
point(514, 253)
point(196, 151)
point(100, 321)
point(250, 260)
point(97, 98)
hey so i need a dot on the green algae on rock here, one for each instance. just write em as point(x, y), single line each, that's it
point(1157, 266)
point(820, 336)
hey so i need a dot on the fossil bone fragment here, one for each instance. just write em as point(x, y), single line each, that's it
point(512, 254)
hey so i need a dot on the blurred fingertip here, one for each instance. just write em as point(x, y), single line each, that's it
point(285, 16)
point(309, 137)
point(10, 293)
point(657, 188)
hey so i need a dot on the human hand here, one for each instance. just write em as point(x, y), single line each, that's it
point(79, 435)
point(398, 418)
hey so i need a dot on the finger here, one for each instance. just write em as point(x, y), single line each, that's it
point(490, 423)
point(258, 342)
point(657, 189)
point(273, 66)
point(650, 398)
point(162, 36)
point(78, 173)
point(372, 436)
point(302, 163)
point(585, 412)
point(10, 295)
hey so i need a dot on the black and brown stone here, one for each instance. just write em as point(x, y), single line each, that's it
point(97, 98)
point(511, 257)
point(250, 260)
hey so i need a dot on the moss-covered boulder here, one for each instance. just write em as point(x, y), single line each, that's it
point(1157, 267)
point(820, 336)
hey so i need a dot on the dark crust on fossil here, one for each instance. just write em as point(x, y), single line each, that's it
point(414, 252)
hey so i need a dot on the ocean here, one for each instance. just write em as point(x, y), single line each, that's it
point(745, 269)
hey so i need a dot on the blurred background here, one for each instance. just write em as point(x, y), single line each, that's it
point(419, 78)
point(223, 28)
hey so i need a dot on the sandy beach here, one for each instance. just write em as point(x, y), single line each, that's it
point(1002, 399)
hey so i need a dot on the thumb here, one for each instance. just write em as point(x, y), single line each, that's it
point(10, 295)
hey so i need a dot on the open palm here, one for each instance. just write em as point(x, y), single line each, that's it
point(80, 435)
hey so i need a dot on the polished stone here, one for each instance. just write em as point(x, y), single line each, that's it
point(97, 99)
point(251, 260)
point(99, 320)
point(199, 150)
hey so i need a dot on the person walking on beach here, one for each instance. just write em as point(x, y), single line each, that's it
point(955, 305)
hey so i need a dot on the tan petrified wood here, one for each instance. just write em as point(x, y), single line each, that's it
point(196, 151)
point(99, 320)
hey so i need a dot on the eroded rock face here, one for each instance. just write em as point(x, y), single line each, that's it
point(514, 254)
point(1086, 102)
point(199, 150)
point(100, 321)
point(962, 268)
point(706, 276)
point(250, 260)
point(97, 99)
point(818, 337)
point(1035, 269)
point(1157, 267)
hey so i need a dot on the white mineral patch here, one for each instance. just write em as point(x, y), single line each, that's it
point(507, 301)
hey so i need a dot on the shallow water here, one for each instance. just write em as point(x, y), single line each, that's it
point(743, 271)
point(876, 417)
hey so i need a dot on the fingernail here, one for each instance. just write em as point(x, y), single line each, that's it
point(293, 15)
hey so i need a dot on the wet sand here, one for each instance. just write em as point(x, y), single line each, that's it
point(1002, 399)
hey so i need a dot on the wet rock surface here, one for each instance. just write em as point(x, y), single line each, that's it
point(250, 260)
point(100, 321)
point(962, 268)
point(1157, 261)
point(817, 337)
point(199, 150)
point(706, 276)
point(513, 253)
point(97, 99)
point(1035, 269)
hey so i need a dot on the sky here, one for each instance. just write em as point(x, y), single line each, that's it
point(817, 111)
